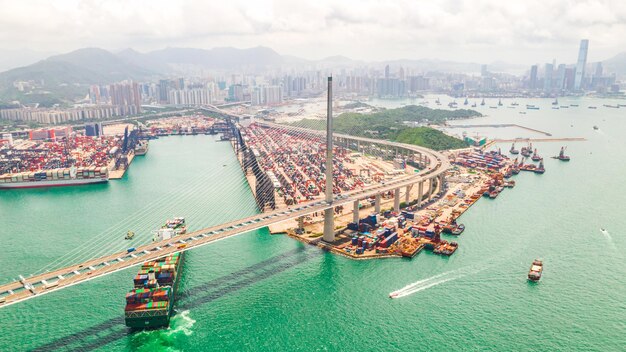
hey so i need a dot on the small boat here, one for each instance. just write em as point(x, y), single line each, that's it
point(482, 102)
point(513, 150)
point(562, 155)
point(573, 105)
point(129, 235)
point(540, 169)
point(458, 229)
point(474, 105)
point(555, 102)
point(393, 295)
point(536, 269)
point(592, 107)
point(523, 112)
point(437, 101)
point(514, 103)
point(595, 127)
point(499, 102)
point(465, 102)
point(535, 156)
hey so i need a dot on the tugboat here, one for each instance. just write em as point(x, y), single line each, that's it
point(458, 229)
point(513, 150)
point(527, 150)
point(535, 156)
point(177, 225)
point(540, 169)
point(562, 155)
point(534, 274)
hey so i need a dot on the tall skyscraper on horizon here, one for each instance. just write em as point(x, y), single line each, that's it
point(581, 63)
point(533, 77)
point(547, 81)
point(387, 74)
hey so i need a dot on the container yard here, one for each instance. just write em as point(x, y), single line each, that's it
point(294, 166)
point(51, 156)
point(183, 125)
point(432, 226)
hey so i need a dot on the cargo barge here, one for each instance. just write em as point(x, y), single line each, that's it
point(536, 269)
point(150, 303)
point(55, 177)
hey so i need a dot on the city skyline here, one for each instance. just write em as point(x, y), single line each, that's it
point(509, 32)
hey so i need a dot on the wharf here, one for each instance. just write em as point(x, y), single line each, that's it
point(501, 125)
point(564, 139)
point(118, 174)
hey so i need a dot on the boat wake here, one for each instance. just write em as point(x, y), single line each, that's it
point(424, 284)
point(181, 323)
point(606, 234)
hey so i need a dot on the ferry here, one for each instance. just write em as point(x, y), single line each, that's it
point(534, 274)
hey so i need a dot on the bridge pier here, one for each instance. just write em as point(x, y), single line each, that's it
point(420, 188)
point(355, 212)
point(396, 200)
point(377, 203)
point(441, 181)
point(407, 196)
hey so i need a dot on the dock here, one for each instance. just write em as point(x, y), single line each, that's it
point(118, 174)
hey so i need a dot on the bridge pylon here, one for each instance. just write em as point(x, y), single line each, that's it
point(329, 220)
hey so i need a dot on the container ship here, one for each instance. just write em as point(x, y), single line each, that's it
point(150, 303)
point(55, 177)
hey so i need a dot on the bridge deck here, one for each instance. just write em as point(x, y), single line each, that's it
point(18, 291)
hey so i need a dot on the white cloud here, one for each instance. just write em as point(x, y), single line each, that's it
point(464, 30)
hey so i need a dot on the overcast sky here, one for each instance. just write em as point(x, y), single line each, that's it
point(527, 31)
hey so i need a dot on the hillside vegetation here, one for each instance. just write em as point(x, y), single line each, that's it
point(396, 125)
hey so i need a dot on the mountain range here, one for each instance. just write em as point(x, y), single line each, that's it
point(65, 77)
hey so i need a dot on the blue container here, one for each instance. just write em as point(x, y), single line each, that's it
point(353, 226)
point(387, 214)
point(354, 240)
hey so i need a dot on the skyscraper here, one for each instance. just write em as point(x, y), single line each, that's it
point(560, 77)
point(532, 83)
point(581, 63)
point(387, 71)
point(547, 81)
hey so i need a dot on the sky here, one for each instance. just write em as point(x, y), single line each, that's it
point(482, 31)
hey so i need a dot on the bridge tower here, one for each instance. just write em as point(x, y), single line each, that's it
point(329, 221)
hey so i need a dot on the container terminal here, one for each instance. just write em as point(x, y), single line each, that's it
point(431, 224)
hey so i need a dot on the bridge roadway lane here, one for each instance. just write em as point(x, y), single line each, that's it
point(89, 270)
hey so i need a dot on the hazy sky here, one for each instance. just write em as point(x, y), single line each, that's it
point(526, 31)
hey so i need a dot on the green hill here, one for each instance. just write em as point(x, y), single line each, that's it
point(397, 125)
point(66, 77)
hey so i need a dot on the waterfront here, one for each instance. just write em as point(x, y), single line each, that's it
point(262, 292)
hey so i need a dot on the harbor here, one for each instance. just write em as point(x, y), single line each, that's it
point(488, 271)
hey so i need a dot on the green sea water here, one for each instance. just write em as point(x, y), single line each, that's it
point(271, 293)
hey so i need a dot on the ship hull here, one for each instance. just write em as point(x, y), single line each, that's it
point(154, 319)
point(53, 183)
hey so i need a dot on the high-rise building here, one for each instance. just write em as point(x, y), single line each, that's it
point(547, 81)
point(387, 74)
point(163, 91)
point(560, 78)
point(580, 64)
point(483, 70)
point(532, 82)
point(598, 69)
